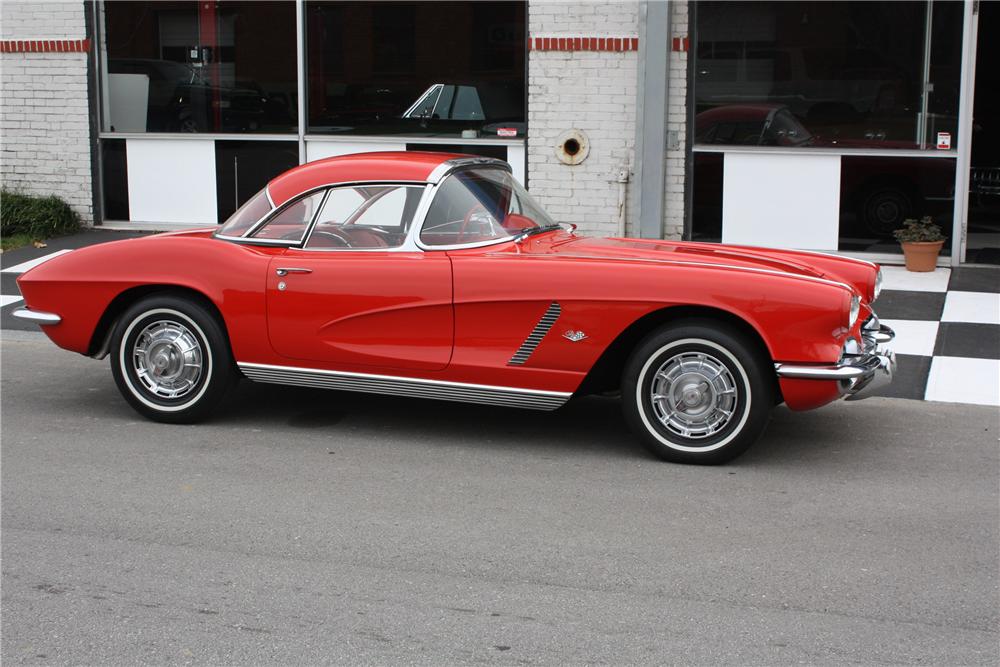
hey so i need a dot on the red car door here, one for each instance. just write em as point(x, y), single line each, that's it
point(386, 309)
point(355, 296)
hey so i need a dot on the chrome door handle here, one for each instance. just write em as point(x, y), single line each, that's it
point(291, 269)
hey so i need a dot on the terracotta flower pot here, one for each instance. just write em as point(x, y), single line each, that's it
point(921, 255)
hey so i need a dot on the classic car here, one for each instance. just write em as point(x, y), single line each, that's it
point(437, 276)
point(181, 99)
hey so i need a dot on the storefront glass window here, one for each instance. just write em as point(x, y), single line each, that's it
point(861, 74)
point(451, 69)
point(877, 193)
point(223, 66)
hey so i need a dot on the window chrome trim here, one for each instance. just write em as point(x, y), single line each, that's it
point(267, 242)
point(412, 242)
point(534, 399)
point(421, 97)
point(448, 166)
point(437, 177)
point(275, 210)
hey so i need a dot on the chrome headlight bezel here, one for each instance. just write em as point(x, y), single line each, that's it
point(854, 312)
point(878, 283)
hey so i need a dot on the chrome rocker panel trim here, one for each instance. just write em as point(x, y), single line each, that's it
point(36, 316)
point(532, 399)
point(860, 374)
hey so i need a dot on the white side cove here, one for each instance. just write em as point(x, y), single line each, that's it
point(532, 399)
point(781, 201)
point(172, 180)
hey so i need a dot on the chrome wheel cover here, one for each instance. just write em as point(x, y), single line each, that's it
point(167, 359)
point(693, 395)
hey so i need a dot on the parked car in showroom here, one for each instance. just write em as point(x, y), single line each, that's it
point(180, 99)
point(437, 276)
point(881, 191)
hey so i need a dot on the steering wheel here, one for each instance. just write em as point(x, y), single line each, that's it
point(478, 208)
point(342, 241)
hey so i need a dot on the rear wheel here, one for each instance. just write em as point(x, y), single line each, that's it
point(883, 210)
point(170, 359)
point(698, 392)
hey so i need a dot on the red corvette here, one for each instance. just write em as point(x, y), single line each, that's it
point(437, 276)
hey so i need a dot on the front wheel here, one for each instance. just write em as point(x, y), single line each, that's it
point(698, 392)
point(171, 359)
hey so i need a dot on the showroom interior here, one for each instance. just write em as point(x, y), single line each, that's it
point(816, 125)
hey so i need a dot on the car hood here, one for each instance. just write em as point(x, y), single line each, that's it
point(856, 274)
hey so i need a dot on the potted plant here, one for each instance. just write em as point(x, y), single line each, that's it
point(921, 241)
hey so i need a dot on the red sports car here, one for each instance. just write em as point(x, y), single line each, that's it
point(437, 276)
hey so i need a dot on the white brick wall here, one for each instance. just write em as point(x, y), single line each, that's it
point(44, 113)
point(677, 63)
point(591, 91)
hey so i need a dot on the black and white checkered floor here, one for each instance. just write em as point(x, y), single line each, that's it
point(947, 323)
point(947, 327)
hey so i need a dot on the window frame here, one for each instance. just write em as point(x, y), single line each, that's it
point(420, 211)
point(486, 163)
point(275, 213)
point(412, 242)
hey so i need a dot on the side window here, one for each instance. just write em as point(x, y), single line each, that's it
point(424, 107)
point(365, 217)
point(467, 105)
point(291, 223)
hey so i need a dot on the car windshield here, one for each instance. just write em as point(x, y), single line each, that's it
point(246, 216)
point(480, 205)
point(785, 130)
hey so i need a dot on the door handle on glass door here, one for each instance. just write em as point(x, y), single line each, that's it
point(291, 269)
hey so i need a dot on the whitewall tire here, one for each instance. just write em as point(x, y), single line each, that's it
point(698, 391)
point(171, 359)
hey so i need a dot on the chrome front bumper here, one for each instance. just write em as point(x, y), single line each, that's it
point(36, 316)
point(862, 369)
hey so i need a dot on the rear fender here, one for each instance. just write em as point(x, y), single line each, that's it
point(82, 285)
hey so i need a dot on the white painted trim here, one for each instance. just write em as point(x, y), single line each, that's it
point(197, 136)
point(960, 212)
point(300, 77)
point(873, 152)
point(411, 139)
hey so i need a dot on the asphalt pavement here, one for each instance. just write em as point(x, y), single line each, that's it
point(303, 526)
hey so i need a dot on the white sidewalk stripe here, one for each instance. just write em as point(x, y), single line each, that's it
point(975, 307)
point(8, 300)
point(32, 263)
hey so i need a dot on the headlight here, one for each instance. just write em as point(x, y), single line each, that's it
point(852, 316)
point(878, 283)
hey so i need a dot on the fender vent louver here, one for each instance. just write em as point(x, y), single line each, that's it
point(536, 335)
